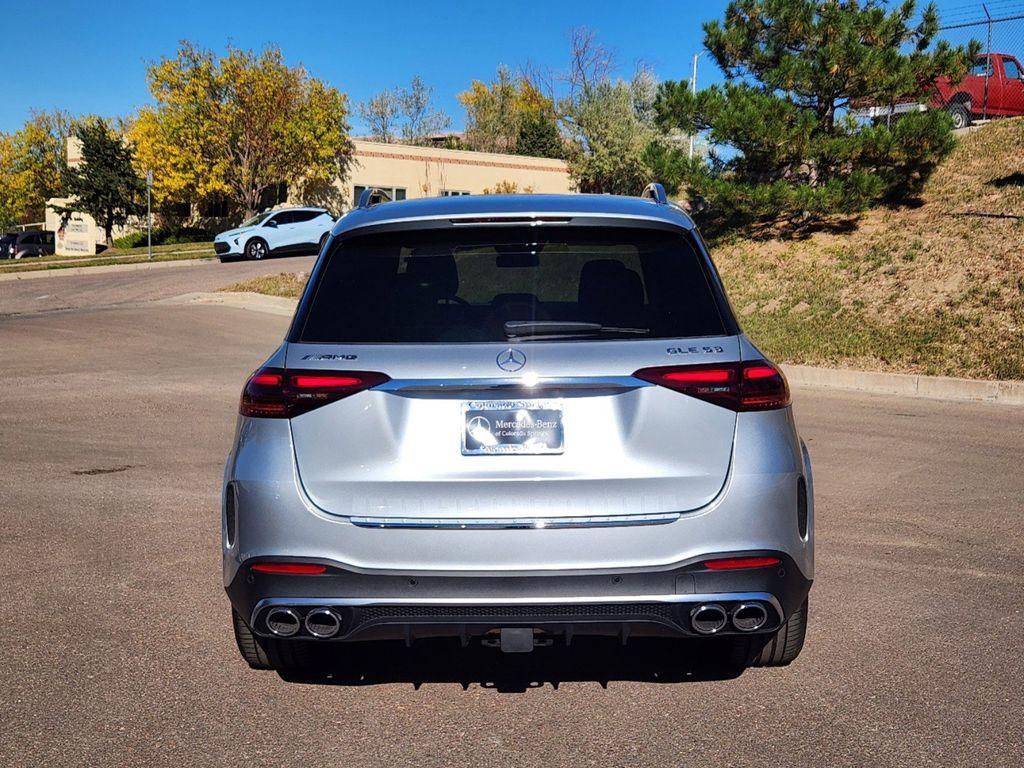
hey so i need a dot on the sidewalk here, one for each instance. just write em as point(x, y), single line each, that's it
point(101, 268)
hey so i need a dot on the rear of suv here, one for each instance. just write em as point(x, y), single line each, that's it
point(516, 419)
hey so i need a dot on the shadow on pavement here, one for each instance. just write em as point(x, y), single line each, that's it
point(601, 660)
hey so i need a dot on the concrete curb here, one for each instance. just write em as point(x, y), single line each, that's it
point(904, 384)
point(907, 384)
point(100, 269)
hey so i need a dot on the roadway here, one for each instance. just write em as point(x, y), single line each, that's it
point(116, 415)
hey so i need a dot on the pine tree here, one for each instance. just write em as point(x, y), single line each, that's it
point(539, 135)
point(104, 185)
point(793, 70)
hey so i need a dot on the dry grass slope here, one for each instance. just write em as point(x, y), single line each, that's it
point(935, 289)
point(287, 284)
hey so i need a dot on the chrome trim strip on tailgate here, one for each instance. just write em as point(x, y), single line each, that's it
point(492, 523)
point(517, 383)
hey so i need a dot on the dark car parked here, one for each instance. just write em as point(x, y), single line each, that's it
point(17, 245)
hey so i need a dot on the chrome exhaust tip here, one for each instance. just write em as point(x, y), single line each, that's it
point(283, 622)
point(749, 617)
point(708, 618)
point(322, 623)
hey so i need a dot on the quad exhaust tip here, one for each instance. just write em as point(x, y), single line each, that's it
point(749, 617)
point(283, 622)
point(708, 618)
point(322, 623)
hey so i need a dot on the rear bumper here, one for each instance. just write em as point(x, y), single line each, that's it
point(386, 606)
point(757, 510)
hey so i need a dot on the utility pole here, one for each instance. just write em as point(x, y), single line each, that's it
point(988, 61)
point(693, 90)
point(149, 215)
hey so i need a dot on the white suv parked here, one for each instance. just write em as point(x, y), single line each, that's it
point(281, 232)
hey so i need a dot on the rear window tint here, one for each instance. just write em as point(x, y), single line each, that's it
point(464, 285)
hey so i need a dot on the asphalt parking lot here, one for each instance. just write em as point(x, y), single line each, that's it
point(117, 650)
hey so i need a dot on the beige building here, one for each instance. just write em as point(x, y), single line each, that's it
point(412, 171)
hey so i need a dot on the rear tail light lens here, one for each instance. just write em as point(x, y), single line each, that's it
point(276, 393)
point(751, 386)
point(739, 563)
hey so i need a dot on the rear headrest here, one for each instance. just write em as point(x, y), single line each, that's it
point(437, 275)
point(608, 283)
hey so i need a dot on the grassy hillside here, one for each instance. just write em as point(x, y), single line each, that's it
point(936, 289)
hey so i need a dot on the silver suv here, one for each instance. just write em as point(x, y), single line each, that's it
point(514, 420)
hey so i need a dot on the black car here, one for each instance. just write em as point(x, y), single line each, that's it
point(16, 245)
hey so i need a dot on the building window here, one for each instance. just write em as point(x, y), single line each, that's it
point(273, 196)
point(395, 193)
point(177, 210)
point(215, 208)
point(454, 192)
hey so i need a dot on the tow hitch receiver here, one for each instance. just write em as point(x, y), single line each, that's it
point(512, 640)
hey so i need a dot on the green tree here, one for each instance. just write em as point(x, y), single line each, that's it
point(237, 125)
point(381, 115)
point(539, 135)
point(793, 68)
point(420, 120)
point(611, 140)
point(403, 115)
point(104, 184)
point(607, 122)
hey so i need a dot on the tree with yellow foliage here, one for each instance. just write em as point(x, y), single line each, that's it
point(512, 116)
point(231, 127)
point(31, 160)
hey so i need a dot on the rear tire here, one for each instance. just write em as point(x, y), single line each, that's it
point(266, 653)
point(777, 650)
point(960, 114)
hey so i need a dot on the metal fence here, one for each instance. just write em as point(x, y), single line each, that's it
point(999, 27)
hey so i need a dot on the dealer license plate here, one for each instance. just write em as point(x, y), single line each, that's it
point(512, 427)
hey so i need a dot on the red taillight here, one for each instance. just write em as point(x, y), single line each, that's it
point(702, 376)
point(751, 386)
point(294, 569)
point(274, 393)
point(739, 563)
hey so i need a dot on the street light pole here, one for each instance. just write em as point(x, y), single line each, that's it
point(693, 90)
point(149, 215)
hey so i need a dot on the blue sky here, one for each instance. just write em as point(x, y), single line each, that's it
point(92, 57)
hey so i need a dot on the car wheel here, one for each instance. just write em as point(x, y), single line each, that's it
point(960, 114)
point(265, 653)
point(256, 249)
point(777, 650)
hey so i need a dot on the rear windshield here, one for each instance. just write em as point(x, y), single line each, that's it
point(495, 284)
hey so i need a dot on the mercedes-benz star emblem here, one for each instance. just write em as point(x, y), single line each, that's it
point(478, 425)
point(511, 360)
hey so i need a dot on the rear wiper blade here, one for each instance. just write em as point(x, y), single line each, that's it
point(517, 329)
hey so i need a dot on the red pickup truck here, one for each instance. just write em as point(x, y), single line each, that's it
point(994, 87)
